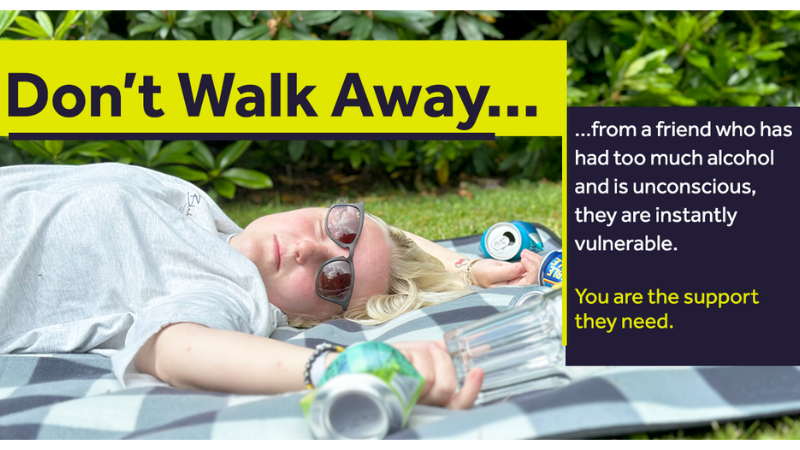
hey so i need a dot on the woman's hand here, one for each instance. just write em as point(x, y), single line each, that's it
point(435, 365)
point(491, 273)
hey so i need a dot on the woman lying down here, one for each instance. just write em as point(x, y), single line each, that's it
point(145, 266)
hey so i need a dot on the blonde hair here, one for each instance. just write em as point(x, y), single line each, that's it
point(416, 280)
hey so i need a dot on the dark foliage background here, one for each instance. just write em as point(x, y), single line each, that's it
point(616, 58)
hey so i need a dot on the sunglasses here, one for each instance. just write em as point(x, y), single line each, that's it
point(336, 276)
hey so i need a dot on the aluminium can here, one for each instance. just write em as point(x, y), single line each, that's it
point(505, 241)
point(355, 406)
point(550, 272)
point(367, 392)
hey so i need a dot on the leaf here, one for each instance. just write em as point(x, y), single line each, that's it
point(362, 28)
point(86, 153)
point(184, 173)
point(611, 66)
point(443, 172)
point(755, 41)
point(678, 100)
point(93, 18)
point(416, 27)
point(224, 187)
point(296, 150)
point(138, 147)
point(304, 36)
point(203, 155)
point(183, 35)
point(746, 100)
point(145, 28)
point(32, 148)
point(247, 34)
point(69, 19)
point(311, 18)
point(721, 68)
point(343, 23)
point(468, 28)
point(246, 178)
point(170, 151)
point(571, 31)
point(32, 28)
point(487, 29)
point(449, 30)
point(163, 32)
point(383, 32)
point(774, 45)
point(73, 162)
point(509, 162)
point(640, 63)
point(285, 34)
point(147, 17)
point(684, 27)
point(54, 147)
point(151, 149)
point(623, 26)
point(755, 88)
point(698, 59)
point(222, 26)
point(192, 20)
point(6, 19)
point(490, 13)
point(764, 55)
point(22, 32)
point(403, 16)
point(90, 146)
point(45, 22)
point(120, 151)
point(355, 159)
point(243, 17)
point(231, 153)
point(594, 38)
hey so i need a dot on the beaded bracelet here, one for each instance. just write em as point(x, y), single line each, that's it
point(321, 350)
point(468, 273)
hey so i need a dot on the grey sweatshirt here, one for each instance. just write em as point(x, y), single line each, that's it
point(101, 257)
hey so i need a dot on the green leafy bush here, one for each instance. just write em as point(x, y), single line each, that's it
point(677, 58)
point(616, 58)
point(190, 160)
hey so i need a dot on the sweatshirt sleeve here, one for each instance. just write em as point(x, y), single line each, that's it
point(211, 308)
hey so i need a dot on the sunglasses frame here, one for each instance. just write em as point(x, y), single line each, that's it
point(351, 249)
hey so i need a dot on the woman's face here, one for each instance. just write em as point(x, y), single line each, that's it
point(288, 248)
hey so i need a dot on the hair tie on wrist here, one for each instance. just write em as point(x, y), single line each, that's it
point(315, 366)
point(468, 273)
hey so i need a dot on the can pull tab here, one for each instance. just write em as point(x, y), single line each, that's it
point(504, 241)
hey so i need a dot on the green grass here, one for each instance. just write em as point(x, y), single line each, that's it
point(470, 210)
point(787, 427)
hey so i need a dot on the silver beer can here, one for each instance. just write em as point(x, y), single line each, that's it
point(355, 406)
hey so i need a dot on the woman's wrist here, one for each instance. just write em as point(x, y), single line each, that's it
point(318, 362)
point(465, 267)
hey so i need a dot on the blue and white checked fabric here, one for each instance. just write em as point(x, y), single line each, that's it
point(76, 396)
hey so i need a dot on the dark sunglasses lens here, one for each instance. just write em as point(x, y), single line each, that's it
point(343, 223)
point(335, 280)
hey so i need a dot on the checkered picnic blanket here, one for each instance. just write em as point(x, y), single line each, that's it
point(76, 396)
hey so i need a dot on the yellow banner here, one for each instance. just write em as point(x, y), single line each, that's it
point(298, 87)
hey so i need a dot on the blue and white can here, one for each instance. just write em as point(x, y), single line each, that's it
point(505, 241)
point(550, 272)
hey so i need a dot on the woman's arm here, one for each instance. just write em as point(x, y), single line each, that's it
point(453, 262)
point(487, 272)
point(192, 356)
